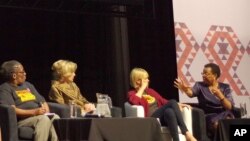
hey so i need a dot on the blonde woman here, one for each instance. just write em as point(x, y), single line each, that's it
point(63, 89)
point(168, 111)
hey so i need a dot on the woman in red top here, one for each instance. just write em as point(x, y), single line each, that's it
point(168, 111)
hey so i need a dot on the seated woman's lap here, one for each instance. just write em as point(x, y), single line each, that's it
point(166, 111)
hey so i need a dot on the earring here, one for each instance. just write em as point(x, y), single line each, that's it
point(14, 76)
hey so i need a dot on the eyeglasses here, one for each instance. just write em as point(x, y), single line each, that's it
point(205, 74)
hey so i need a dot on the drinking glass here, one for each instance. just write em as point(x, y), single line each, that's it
point(73, 109)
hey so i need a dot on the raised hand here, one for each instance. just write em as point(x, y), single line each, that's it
point(217, 92)
point(179, 83)
point(144, 84)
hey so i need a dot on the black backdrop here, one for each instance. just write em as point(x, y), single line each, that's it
point(37, 38)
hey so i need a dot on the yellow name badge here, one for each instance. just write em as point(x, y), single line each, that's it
point(25, 95)
point(149, 98)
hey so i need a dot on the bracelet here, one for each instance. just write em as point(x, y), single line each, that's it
point(222, 99)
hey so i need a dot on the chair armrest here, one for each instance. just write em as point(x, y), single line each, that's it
point(8, 123)
point(199, 124)
point(116, 111)
point(187, 118)
point(62, 110)
point(196, 105)
point(133, 110)
point(237, 112)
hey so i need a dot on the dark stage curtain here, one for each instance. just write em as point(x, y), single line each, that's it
point(38, 38)
point(152, 46)
point(104, 47)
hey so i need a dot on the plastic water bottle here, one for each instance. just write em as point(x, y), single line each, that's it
point(73, 109)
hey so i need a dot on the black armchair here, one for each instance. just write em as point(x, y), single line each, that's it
point(199, 126)
point(8, 122)
point(236, 110)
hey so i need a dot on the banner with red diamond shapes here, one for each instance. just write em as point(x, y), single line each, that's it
point(221, 46)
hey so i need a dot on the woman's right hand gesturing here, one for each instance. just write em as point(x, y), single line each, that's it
point(179, 83)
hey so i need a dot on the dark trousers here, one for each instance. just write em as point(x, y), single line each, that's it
point(170, 115)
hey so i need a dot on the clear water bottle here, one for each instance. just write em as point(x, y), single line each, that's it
point(73, 109)
point(245, 109)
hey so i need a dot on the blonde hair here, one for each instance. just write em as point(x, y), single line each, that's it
point(137, 74)
point(63, 68)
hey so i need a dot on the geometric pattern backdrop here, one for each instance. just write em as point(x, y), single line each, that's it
point(221, 46)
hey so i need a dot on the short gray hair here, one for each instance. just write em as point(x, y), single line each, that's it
point(8, 67)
